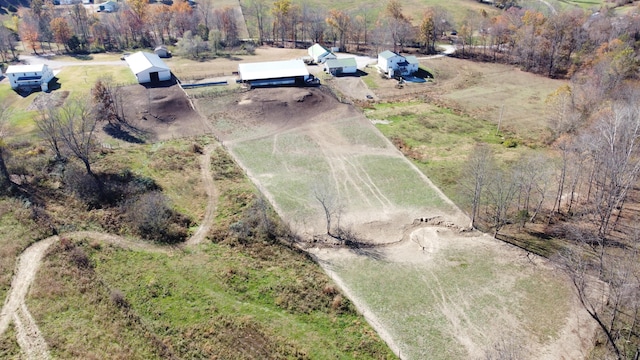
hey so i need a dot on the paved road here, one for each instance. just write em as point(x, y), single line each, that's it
point(56, 64)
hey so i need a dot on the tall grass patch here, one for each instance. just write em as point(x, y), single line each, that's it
point(17, 231)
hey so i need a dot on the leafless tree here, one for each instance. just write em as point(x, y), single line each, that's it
point(48, 125)
point(608, 289)
point(5, 179)
point(330, 203)
point(476, 172)
point(501, 191)
point(77, 125)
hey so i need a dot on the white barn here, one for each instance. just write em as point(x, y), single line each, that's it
point(275, 73)
point(320, 54)
point(148, 68)
point(29, 76)
point(337, 67)
point(394, 65)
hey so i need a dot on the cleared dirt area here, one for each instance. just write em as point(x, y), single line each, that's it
point(159, 113)
point(431, 289)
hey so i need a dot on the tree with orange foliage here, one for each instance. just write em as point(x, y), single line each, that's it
point(61, 31)
point(340, 22)
point(29, 36)
point(182, 17)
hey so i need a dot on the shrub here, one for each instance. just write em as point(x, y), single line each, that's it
point(117, 297)
point(151, 216)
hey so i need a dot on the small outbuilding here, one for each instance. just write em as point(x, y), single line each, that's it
point(337, 67)
point(394, 65)
point(275, 73)
point(148, 67)
point(29, 77)
point(162, 51)
point(320, 54)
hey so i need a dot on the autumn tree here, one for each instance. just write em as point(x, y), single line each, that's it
point(182, 17)
point(61, 31)
point(280, 11)
point(398, 25)
point(108, 103)
point(259, 10)
point(29, 36)
point(191, 46)
point(340, 22)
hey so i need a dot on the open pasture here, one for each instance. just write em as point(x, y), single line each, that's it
point(431, 291)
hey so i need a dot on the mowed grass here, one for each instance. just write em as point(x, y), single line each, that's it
point(458, 296)
point(228, 299)
point(80, 79)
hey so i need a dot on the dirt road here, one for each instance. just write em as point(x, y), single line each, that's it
point(28, 334)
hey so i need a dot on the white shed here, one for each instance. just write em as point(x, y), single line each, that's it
point(341, 66)
point(393, 64)
point(29, 76)
point(320, 54)
point(148, 67)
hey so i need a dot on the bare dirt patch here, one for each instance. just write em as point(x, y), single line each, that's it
point(161, 113)
point(48, 100)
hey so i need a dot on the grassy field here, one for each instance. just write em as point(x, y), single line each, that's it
point(460, 294)
point(438, 140)
point(484, 91)
point(236, 298)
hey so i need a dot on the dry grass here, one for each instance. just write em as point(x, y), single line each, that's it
point(484, 90)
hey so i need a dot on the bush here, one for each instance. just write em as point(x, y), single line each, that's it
point(151, 216)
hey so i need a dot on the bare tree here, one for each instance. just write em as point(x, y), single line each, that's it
point(5, 179)
point(501, 191)
point(77, 127)
point(476, 173)
point(330, 203)
point(608, 292)
point(48, 125)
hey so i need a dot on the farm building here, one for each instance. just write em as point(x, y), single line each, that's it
point(274, 73)
point(162, 51)
point(337, 67)
point(320, 54)
point(394, 65)
point(29, 77)
point(148, 68)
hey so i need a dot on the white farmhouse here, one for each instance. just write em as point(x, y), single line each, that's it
point(394, 65)
point(338, 67)
point(320, 54)
point(29, 76)
point(148, 68)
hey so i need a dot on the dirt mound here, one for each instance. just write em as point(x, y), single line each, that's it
point(160, 113)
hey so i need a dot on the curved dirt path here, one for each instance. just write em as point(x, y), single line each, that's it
point(28, 335)
point(212, 196)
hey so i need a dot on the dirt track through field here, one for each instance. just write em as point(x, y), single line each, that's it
point(28, 335)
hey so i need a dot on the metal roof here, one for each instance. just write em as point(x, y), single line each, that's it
point(387, 54)
point(144, 61)
point(344, 62)
point(272, 70)
point(318, 50)
point(412, 59)
point(25, 68)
